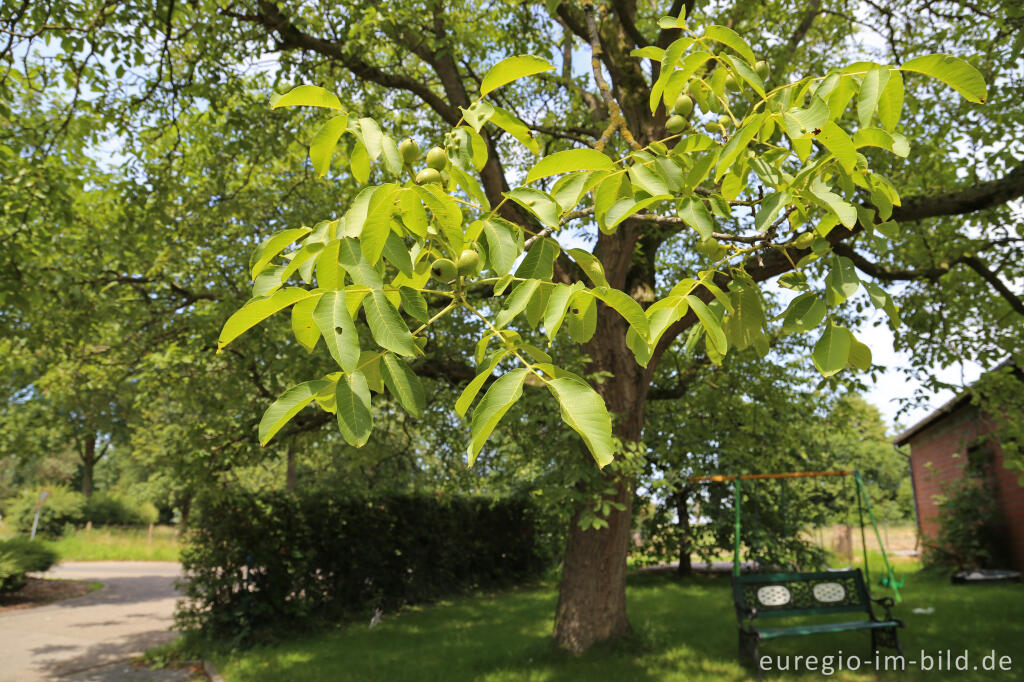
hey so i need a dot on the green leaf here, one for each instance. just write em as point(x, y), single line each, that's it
point(693, 212)
point(502, 394)
point(386, 325)
point(860, 355)
point(471, 186)
point(257, 310)
point(713, 328)
point(745, 324)
point(746, 73)
point(804, 313)
point(289, 404)
point(403, 384)
point(890, 103)
point(324, 141)
point(359, 163)
point(871, 87)
point(355, 415)
point(303, 325)
point(557, 306)
point(414, 304)
point(516, 302)
point(583, 325)
point(841, 282)
point(339, 330)
point(446, 211)
point(876, 137)
point(737, 144)
point(731, 39)
point(516, 128)
point(801, 122)
point(628, 207)
point(270, 247)
point(624, 305)
point(372, 136)
point(568, 161)
point(350, 256)
point(510, 69)
point(306, 96)
point(502, 249)
point(539, 261)
point(844, 210)
point(477, 114)
point(538, 203)
point(839, 143)
point(954, 72)
point(648, 178)
point(392, 157)
point(397, 253)
point(832, 351)
point(374, 233)
point(590, 265)
point(770, 208)
point(585, 411)
point(474, 386)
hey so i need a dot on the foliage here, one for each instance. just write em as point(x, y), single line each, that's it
point(971, 533)
point(261, 562)
point(19, 556)
point(65, 508)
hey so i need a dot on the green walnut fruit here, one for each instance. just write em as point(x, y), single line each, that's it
point(711, 248)
point(437, 159)
point(804, 241)
point(675, 124)
point(762, 69)
point(428, 176)
point(731, 83)
point(444, 270)
point(724, 121)
point(468, 262)
point(683, 105)
point(409, 150)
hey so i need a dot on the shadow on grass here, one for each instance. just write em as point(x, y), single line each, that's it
point(685, 629)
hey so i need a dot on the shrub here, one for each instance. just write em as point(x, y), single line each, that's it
point(20, 556)
point(257, 560)
point(115, 509)
point(63, 507)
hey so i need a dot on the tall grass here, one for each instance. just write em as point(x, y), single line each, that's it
point(118, 544)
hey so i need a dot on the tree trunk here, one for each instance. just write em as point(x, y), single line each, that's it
point(685, 539)
point(88, 463)
point(289, 481)
point(592, 593)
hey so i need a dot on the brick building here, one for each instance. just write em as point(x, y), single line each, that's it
point(943, 448)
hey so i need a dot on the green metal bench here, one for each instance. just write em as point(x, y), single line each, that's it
point(781, 595)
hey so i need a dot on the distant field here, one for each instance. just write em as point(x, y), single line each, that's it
point(113, 543)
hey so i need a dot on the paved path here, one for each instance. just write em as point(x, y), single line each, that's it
point(91, 638)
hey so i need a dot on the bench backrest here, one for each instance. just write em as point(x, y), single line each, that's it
point(800, 594)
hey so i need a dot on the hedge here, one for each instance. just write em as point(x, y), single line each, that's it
point(259, 562)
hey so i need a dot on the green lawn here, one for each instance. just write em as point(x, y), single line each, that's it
point(685, 630)
point(118, 544)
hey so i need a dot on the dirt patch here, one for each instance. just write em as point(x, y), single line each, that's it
point(38, 592)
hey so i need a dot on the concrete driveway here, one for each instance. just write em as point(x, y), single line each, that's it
point(93, 637)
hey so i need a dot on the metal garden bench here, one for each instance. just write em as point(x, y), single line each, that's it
point(781, 595)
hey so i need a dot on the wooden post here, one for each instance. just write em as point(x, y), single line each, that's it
point(150, 538)
point(88, 527)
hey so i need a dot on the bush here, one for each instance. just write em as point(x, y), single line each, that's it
point(20, 556)
point(64, 507)
point(113, 509)
point(971, 532)
point(277, 559)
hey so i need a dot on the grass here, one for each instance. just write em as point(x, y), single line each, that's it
point(685, 630)
point(118, 544)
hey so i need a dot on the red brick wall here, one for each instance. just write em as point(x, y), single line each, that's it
point(937, 456)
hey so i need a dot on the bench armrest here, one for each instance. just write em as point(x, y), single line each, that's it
point(886, 603)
